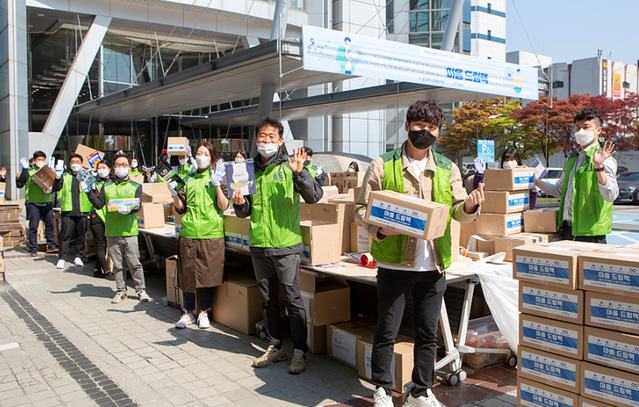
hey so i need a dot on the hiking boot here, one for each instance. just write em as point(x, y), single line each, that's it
point(269, 357)
point(298, 362)
point(119, 297)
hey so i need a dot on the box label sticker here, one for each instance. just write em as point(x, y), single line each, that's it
point(551, 302)
point(536, 268)
point(233, 239)
point(525, 178)
point(343, 346)
point(306, 254)
point(398, 217)
point(611, 388)
point(514, 223)
point(531, 396)
point(614, 313)
point(93, 159)
point(549, 369)
point(613, 352)
point(245, 241)
point(178, 147)
point(518, 202)
point(611, 276)
point(565, 340)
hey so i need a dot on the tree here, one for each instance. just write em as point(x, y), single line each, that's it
point(620, 118)
point(505, 130)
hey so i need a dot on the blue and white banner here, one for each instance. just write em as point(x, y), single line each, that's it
point(333, 51)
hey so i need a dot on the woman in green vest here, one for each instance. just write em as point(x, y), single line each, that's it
point(202, 201)
point(135, 170)
point(97, 217)
point(75, 207)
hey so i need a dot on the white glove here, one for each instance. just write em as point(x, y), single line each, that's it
point(24, 162)
point(171, 185)
point(58, 173)
point(480, 167)
point(194, 166)
point(220, 172)
point(188, 151)
point(124, 210)
point(49, 191)
point(84, 187)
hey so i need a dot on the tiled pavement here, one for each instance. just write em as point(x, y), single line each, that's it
point(63, 343)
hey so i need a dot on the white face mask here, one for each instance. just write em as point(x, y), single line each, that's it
point(267, 150)
point(509, 164)
point(183, 162)
point(103, 173)
point(75, 167)
point(351, 170)
point(584, 137)
point(121, 172)
point(134, 164)
point(203, 162)
point(40, 164)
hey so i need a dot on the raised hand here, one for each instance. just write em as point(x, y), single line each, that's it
point(606, 152)
point(297, 164)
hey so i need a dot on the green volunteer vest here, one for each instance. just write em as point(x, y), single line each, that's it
point(312, 168)
point(184, 171)
point(135, 171)
point(391, 249)
point(67, 196)
point(203, 219)
point(101, 213)
point(591, 214)
point(275, 213)
point(117, 224)
point(35, 194)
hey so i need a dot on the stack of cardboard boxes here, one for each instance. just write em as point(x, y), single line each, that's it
point(579, 342)
point(346, 180)
point(157, 206)
point(10, 228)
point(2, 259)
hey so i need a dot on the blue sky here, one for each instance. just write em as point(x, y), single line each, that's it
point(567, 30)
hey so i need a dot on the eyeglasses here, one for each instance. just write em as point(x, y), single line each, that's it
point(120, 165)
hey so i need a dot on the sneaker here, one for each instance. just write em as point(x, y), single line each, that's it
point(98, 274)
point(78, 262)
point(34, 255)
point(382, 399)
point(203, 320)
point(269, 357)
point(60, 264)
point(423, 401)
point(143, 296)
point(186, 320)
point(109, 276)
point(298, 362)
point(119, 297)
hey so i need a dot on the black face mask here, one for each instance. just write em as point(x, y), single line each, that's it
point(421, 139)
point(306, 163)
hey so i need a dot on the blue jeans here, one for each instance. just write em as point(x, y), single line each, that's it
point(206, 300)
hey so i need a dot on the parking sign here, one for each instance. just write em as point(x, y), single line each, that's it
point(486, 150)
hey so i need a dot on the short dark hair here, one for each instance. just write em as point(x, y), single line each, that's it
point(120, 154)
point(105, 162)
point(243, 153)
point(74, 155)
point(269, 121)
point(355, 164)
point(38, 154)
point(308, 151)
point(211, 149)
point(426, 111)
point(510, 154)
point(163, 157)
point(588, 114)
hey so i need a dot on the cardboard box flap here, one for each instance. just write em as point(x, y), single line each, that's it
point(90, 156)
point(322, 212)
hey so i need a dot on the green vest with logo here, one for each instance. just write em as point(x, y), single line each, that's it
point(275, 213)
point(312, 169)
point(391, 249)
point(184, 171)
point(591, 214)
point(67, 196)
point(203, 219)
point(35, 194)
point(117, 224)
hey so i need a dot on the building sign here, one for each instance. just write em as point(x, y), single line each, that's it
point(616, 85)
point(333, 51)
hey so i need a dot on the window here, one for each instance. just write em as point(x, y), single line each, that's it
point(626, 85)
point(390, 16)
point(436, 4)
point(419, 39)
point(490, 35)
point(440, 18)
point(419, 4)
point(419, 21)
point(558, 84)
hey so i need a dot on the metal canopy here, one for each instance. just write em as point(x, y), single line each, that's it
point(382, 97)
point(233, 77)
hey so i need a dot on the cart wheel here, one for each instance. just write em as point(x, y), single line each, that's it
point(461, 375)
point(512, 361)
point(452, 379)
point(262, 335)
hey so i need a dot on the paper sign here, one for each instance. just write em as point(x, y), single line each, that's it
point(540, 170)
point(115, 204)
point(240, 175)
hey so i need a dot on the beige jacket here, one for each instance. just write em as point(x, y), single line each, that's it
point(373, 182)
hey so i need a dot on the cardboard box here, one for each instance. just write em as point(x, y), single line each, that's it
point(409, 215)
point(346, 180)
point(506, 244)
point(401, 364)
point(482, 244)
point(509, 179)
point(548, 264)
point(586, 402)
point(613, 271)
point(236, 231)
point(2, 189)
point(137, 178)
point(340, 213)
point(609, 385)
point(467, 230)
point(541, 220)
point(174, 295)
point(151, 216)
point(238, 304)
point(533, 394)
point(551, 336)
point(156, 192)
point(342, 341)
point(90, 156)
point(356, 192)
point(548, 368)
point(617, 350)
point(610, 311)
point(500, 224)
point(551, 302)
point(321, 242)
point(326, 300)
point(44, 178)
point(360, 241)
point(177, 145)
point(505, 201)
point(455, 232)
point(542, 237)
point(316, 338)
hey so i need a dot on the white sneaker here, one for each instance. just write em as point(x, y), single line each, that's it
point(203, 320)
point(421, 401)
point(78, 262)
point(382, 399)
point(60, 264)
point(186, 320)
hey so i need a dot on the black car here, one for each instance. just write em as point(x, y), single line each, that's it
point(628, 187)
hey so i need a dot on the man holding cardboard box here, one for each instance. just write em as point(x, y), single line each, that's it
point(590, 188)
point(40, 205)
point(275, 237)
point(409, 264)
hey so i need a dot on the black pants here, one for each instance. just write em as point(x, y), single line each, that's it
point(269, 270)
point(566, 234)
point(72, 225)
point(97, 228)
point(37, 212)
point(393, 287)
point(206, 299)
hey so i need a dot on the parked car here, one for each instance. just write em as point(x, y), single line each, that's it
point(553, 176)
point(628, 187)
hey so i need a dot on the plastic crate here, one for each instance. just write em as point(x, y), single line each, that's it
point(484, 334)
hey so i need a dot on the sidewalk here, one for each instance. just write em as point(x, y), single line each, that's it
point(63, 343)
